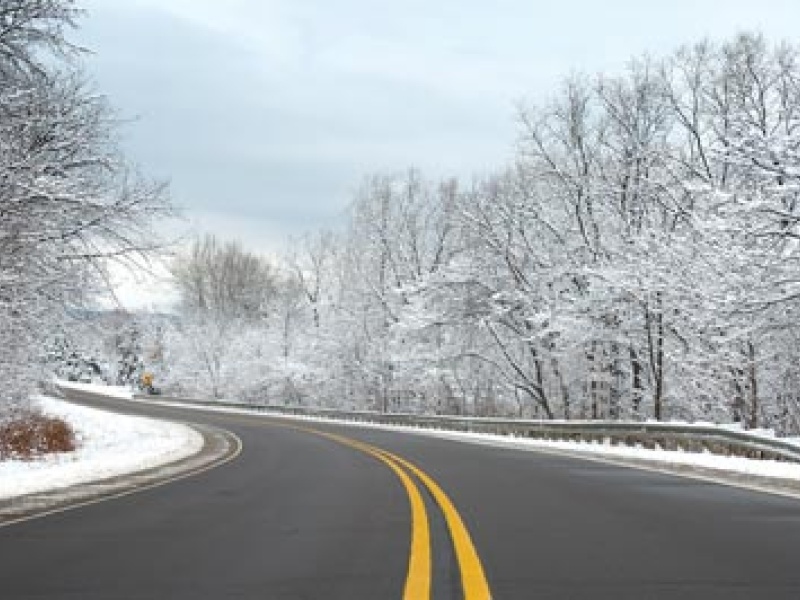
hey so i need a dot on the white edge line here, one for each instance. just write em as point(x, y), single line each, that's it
point(643, 464)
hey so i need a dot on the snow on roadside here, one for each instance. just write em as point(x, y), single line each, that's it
point(112, 391)
point(604, 451)
point(674, 458)
point(109, 445)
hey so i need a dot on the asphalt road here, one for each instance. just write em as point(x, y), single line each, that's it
point(304, 515)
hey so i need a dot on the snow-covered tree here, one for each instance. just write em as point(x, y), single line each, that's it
point(638, 259)
point(69, 202)
point(226, 297)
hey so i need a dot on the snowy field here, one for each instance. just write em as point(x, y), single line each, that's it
point(109, 445)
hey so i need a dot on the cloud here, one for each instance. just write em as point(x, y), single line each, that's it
point(275, 109)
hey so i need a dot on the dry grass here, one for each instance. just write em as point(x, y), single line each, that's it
point(31, 434)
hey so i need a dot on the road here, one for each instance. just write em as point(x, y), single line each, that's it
point(322, 511)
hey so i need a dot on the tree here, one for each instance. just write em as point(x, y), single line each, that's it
point(640, 258)
point(225, 294)
point(224, 280)
point(69, 203)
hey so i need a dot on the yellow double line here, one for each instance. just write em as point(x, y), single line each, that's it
point(418, 579)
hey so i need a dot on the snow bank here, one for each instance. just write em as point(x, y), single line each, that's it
point(109, 445)
point(672, 458)
point(112, 391)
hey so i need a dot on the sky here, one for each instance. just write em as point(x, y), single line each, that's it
point(265, 115)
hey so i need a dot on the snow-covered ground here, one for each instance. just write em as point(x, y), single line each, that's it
point(112, 391)
point(109, 445)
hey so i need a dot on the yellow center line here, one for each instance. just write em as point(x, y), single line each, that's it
point(418, 579)
point(473, 579)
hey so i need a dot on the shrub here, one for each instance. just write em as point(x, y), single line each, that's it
point(29, 435)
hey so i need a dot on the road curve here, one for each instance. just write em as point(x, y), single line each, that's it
point(304, 515)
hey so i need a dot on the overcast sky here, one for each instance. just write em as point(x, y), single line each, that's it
point(266, 114)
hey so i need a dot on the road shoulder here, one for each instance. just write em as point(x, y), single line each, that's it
point(219, 447)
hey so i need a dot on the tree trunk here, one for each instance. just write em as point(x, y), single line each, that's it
point(562, 386)
point(658, 408)
point(752, 421)
point(638, 390)
point(655, 342)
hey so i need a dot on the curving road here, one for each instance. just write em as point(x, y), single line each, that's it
point(351, 513)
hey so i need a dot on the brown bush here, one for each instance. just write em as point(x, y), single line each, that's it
point(32, 434)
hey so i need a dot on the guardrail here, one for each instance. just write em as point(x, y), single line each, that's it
point(652, 435)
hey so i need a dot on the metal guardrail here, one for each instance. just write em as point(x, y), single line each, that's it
point(651, 435)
